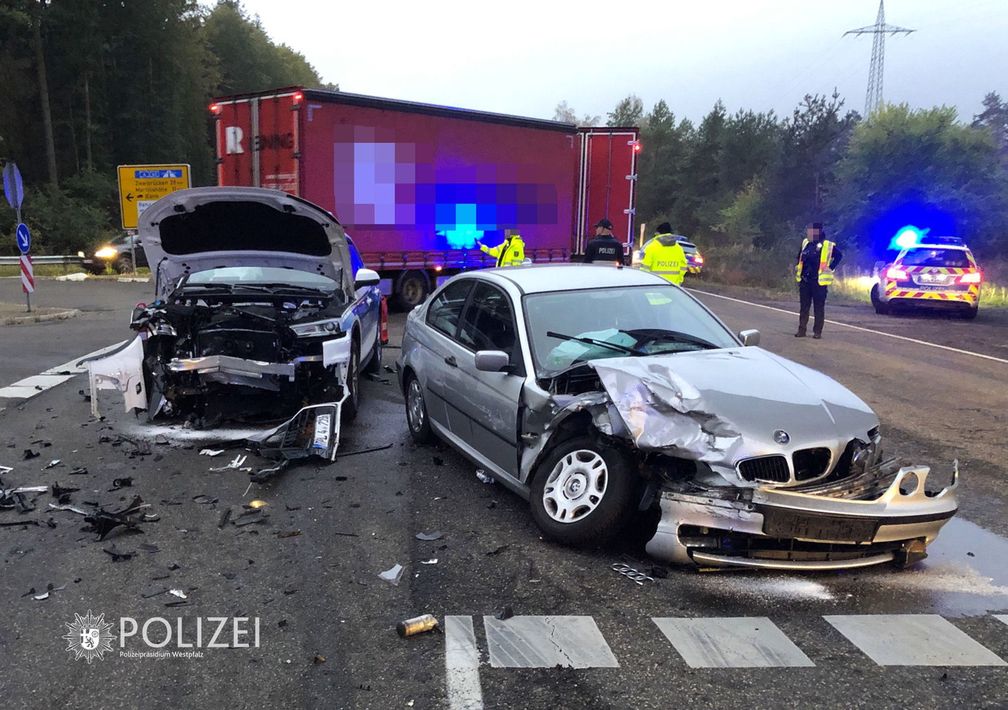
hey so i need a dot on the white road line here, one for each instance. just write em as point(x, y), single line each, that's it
point(1001, 617)
point(742, 642)
point(462, 664)
point(857, 327)
point(913, 640)
point(37, 384)
point(546, 642)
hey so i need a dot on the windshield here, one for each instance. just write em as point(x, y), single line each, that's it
point(936, 257)
point(638, 320)
point(260, 276)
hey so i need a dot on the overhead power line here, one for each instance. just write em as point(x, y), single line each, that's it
point(873, 97)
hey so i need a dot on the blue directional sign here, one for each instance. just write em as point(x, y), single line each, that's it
point(156, 174)
point(23, 237)
point(13, 187)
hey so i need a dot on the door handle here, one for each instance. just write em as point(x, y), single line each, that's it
point(450, 360)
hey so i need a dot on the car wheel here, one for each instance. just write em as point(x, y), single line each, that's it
point(375, 363)
point(351, 404)
point(124, 265)
point(411, 290)
point(416, 412)
point(880, 307)
point(583, 492)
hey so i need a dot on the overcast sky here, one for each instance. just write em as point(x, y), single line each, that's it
point(523, 57)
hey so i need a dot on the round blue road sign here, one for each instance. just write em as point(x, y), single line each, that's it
point(23, 238)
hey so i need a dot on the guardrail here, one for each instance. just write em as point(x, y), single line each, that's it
point(64, 260)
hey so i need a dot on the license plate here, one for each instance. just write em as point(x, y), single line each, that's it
point(818, 527)
point(322, 426)
point(926, 287)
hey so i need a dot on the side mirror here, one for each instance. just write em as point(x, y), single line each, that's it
point(365, 278)
point(492, 360)
point(749, 337)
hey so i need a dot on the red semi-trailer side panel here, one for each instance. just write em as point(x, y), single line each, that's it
point(414, 185)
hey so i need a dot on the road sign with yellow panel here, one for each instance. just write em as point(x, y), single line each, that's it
point(140, 186)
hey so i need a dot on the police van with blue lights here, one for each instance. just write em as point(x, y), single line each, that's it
point(928, 272)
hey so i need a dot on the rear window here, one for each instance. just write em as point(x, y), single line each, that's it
point(956, 258)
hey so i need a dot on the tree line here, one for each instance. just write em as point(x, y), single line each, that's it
point(91, 84)
point(755, 179)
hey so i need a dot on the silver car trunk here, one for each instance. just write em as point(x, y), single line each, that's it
point(210, 227)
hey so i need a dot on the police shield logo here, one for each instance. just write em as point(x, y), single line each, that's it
point(90, 638)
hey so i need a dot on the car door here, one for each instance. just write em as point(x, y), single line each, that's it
point(488, 400)
point(438, 350)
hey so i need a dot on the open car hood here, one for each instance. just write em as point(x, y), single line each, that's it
point(209, 227)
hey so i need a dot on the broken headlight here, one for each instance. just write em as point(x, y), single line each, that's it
point(865, 455)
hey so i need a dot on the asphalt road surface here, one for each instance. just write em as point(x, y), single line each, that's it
point(307, 565)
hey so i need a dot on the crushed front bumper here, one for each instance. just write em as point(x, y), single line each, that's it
point(872, 519)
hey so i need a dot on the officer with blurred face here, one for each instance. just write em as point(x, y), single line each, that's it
point(817, 259)
point(603, 247)
point(664, 256)
point(510, 252)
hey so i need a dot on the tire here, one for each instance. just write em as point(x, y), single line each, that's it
point(351, 405)
point(124, 265)
point(411, 290)
point(970, 313)
point(416, 412)
point(375, 363)
point(880, 307)
point(565, 476)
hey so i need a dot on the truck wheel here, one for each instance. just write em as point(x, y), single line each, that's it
point(583, 492)
point(970, 313)
point(880, 307)
point(411, 290)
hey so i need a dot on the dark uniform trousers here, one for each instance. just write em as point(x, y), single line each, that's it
point(811, 294)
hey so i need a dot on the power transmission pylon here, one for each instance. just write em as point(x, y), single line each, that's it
point(873, 97)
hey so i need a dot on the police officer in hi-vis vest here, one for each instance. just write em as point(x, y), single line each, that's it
point(817, 259)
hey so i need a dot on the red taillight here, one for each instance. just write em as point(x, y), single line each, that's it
point(215, 109)
point(699, 259)
point(896, 274)
point(383, 321)
point(973, 277)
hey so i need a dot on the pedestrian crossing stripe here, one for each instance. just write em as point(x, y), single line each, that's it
point(728, 642)
point(745, 642)
point(912, 640)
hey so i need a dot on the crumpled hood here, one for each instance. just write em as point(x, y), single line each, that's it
point(209, 227)
point(721, 406)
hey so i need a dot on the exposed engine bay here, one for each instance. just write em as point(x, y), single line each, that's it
point(200, 346)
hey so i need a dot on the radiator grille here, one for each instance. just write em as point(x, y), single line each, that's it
point(765, 468)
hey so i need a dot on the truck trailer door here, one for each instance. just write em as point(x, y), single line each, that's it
point(607, 184)
point(258, 140)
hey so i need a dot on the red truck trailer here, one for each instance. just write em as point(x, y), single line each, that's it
point(415, 185)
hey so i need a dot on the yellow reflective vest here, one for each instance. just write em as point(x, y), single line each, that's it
point(825, 258)
point(510, 252)
point(666, 260)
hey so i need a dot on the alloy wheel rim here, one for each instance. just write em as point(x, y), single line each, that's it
point(576, 486)
point(415, 408)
